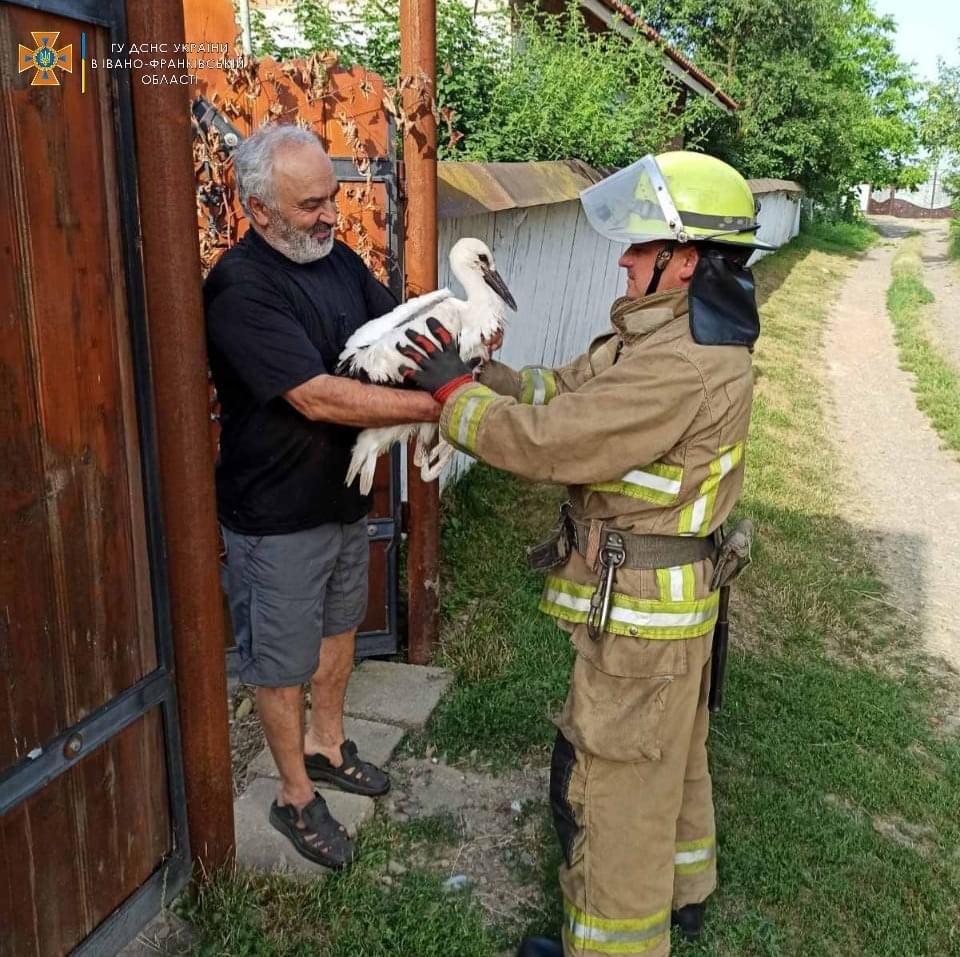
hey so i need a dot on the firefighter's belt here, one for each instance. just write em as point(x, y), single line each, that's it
point(639, 551)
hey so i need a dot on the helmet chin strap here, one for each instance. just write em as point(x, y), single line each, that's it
point(659, 265)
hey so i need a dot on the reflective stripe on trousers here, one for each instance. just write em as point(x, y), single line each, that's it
point(693, 857)
point(606, 935)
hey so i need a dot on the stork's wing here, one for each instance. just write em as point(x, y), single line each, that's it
point(374, 330)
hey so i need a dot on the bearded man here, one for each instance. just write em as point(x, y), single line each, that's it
point(279, 307)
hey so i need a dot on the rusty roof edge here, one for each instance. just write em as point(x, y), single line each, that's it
point(470, 189)
point(767, 185)
point(473, 189)
point(630, 17)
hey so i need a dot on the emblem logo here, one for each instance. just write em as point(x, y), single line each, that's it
point(45, 59)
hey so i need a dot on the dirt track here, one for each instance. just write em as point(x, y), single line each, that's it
point(904, 489)
point(942, 277)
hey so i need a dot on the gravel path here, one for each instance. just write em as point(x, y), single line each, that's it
point(904, 490)
point(942, 277)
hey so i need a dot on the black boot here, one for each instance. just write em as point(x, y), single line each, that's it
point(540, 947)
point(689, 919)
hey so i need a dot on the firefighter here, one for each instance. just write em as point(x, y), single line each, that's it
point(648, 429)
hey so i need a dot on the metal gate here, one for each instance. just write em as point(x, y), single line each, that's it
point(92, 813)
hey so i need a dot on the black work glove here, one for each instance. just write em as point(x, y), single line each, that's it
point(438, 369)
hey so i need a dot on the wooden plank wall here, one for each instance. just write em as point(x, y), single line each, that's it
point(779, 218)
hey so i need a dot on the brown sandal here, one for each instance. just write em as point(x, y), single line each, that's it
point(314, 833)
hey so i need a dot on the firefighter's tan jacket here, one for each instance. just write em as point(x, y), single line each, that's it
point(647, 428)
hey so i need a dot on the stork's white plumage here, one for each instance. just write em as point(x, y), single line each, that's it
point(372, 351)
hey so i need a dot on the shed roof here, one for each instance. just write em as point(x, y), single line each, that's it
point(471, 189)
point(761, 186)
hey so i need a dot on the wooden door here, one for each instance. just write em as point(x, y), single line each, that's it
point(92, 822)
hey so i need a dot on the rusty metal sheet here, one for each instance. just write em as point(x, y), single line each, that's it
point(471, 189)
point(468, 189)
point(760, 186)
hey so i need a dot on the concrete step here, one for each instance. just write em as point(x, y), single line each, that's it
point(375, 741)
point(396, 693)
point(262, 847)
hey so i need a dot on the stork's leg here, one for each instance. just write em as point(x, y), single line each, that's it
point(439, 458)
point(422, 453)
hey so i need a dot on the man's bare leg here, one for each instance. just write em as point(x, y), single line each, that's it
point(281, 714)
point(328, 688)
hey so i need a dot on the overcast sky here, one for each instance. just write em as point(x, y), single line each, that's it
point(926, 29)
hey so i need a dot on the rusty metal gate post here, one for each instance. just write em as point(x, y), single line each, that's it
point(418, 70)
point(178, 356)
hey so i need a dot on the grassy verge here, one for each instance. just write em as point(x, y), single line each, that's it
point(836, 794)
point(836, 791)
point(954, 248)
point(936, 381)
point(364, 912)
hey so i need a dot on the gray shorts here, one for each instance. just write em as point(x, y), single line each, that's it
point(287, 592)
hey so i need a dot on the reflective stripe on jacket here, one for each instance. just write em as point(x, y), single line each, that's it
point(647, 428)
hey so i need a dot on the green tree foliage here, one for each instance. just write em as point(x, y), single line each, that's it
point(824, 97)
point(940, 132)
point(534, 88)
point(940, 113)
point(565, 92)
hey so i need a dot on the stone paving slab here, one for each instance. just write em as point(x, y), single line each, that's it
point(395, 693)
point(262, 847)
point(375, 741)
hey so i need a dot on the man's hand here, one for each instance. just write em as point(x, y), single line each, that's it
point(438, 369)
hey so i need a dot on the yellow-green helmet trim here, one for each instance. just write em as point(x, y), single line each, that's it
point(678, 195)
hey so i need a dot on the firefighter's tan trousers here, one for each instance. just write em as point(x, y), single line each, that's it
point(631, 795)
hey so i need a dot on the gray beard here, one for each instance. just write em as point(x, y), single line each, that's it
point(297, 244)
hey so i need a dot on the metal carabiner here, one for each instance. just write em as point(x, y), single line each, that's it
point(612, 556)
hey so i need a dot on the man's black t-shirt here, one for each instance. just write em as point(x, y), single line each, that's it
point(272, 324)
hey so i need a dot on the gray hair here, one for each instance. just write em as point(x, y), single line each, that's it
point(253, 160)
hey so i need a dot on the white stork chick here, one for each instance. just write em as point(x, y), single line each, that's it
point(372, 351)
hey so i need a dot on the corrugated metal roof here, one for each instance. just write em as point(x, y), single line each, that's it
point(760, 186)
point(472, 189)
point(469, 189)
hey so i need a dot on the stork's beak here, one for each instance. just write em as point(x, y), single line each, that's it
point(495, 281)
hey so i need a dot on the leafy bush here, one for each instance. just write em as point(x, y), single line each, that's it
point(838, 236)
point(566, 92)
point(543, 88)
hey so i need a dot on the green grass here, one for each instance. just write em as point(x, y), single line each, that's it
point(827, 761)
point(352, 914)
point(936, 380)
point(836, 236)
point(954, 247)
point(836, 788)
